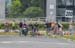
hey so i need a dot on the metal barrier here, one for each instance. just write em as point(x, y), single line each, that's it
point(38, 19)
point(27, 20)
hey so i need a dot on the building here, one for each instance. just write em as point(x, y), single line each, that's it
point(7, 3)
point(7, 6)
point(65, 9)
point(60, 10)
point(2, 9)
point(4, 5)
point(56, 10)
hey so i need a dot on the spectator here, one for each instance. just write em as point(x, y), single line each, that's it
point(6, 27)
point(34, 29)
point(70, 28)
point(20, 25)
point(36, 26)
point(49, 28)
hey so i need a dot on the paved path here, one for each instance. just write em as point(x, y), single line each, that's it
point(34, 42)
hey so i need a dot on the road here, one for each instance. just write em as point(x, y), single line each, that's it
point(34, 42)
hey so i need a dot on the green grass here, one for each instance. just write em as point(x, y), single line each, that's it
point(9, 33)
point(72, 37)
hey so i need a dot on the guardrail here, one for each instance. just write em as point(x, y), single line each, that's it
point(27, 20)
point(38, 19)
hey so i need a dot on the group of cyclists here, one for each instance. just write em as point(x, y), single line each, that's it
point(50, 28)
point(25, 28)
point(54, 28)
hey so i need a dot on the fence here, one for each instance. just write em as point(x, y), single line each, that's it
point(37, 19)
point(40, 20)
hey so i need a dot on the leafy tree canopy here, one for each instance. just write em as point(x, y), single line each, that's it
point(33, 12)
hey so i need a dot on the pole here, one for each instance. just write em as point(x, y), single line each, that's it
point(73, 12)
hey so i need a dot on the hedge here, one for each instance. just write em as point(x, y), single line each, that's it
point(40, 26)
point(65, 26)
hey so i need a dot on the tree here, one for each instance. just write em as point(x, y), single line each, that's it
point(19, 6)
point(26, 4)
point(39, 3)
point(15, 9)
point(34, 3)
point(33, 12)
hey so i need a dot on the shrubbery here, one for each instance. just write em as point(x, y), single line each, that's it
point(65, 26)
point(40, 26)
point(2, 26)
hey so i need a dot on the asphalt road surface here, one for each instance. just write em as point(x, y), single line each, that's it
point(34, 42)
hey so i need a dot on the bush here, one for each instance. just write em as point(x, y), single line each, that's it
point(65, 26)
point(33, 12)
point(15, 27)
point(41, 27)
point(1, 26)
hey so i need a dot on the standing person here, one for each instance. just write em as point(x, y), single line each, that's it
point(36, 27)
point(31, 28)
point(70, 28)
point(6, 27)
point(20, 26)
point(48, 26)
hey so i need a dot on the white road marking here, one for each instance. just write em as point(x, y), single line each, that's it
point(13, 42)
point(5, 42)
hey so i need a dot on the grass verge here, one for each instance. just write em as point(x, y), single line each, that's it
point(9, 33)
